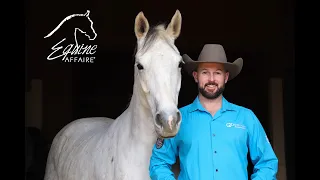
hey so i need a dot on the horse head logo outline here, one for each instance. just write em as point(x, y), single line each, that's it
point(89, 32)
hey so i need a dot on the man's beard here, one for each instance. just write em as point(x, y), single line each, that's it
point(211, 95)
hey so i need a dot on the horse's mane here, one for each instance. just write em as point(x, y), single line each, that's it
point(155, 32)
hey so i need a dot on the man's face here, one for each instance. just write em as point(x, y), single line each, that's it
point(211, 79)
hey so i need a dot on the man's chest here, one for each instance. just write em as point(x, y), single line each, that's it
point(203, 131)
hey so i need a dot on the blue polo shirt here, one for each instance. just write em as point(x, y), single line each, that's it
point(215, 148)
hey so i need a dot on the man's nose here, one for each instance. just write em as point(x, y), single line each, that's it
point(211, 77)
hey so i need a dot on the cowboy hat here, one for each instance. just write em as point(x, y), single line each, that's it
point(213, 53)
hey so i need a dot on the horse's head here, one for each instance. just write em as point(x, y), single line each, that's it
point(158, 72)
point(87, 26)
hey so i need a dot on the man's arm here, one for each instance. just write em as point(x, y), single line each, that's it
point(162, 159)
point(262, 155)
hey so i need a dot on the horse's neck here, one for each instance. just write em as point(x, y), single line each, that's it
point(137, 136)
point(142, 126)
point(138, 131)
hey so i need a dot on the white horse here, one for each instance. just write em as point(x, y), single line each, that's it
point(120, 149)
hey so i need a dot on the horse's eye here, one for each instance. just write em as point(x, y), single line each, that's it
point(181, 64)
point(140, 67)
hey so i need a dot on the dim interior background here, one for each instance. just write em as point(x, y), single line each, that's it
point(261, 32)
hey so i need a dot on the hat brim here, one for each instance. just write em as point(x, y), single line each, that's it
point(233, 68)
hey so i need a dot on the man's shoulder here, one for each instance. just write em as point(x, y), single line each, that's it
point(185, 108)
point(248, 115)
point(240, 108)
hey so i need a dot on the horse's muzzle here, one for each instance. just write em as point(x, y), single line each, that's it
point(168, 122)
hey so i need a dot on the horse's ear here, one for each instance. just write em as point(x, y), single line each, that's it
point(174, 27)
point(87, 13)
point(141, 26)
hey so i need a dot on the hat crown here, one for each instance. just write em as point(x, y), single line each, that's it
point(213, 53)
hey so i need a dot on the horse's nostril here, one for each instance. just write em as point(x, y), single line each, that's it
point(178, 117)
point(158, 119)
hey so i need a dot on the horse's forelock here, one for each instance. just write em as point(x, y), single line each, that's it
point(154, 33)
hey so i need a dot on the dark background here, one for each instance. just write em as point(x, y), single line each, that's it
point(261, 32)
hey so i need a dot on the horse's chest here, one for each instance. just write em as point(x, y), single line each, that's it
point(131, 175)
point(129, 170)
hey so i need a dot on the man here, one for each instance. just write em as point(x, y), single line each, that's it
point(215, 136)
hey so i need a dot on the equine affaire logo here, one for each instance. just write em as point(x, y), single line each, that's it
point(72, 50)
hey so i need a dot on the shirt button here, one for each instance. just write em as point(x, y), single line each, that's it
point(215, 151)
point(213, 135)
point(216, 170)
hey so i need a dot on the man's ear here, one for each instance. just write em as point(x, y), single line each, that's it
point(195, 76)
point(227, 77)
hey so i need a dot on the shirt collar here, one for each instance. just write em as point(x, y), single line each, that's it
point(196, 105)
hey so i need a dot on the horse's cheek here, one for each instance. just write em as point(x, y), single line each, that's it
point(144, 86)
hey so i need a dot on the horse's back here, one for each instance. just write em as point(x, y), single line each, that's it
point(80, 127)
point(71, 140)
point(83, 125)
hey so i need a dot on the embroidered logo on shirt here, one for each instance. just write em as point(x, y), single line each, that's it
point(235, 125)
point(159, 143)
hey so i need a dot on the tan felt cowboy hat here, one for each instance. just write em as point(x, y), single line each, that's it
point(214, 53)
